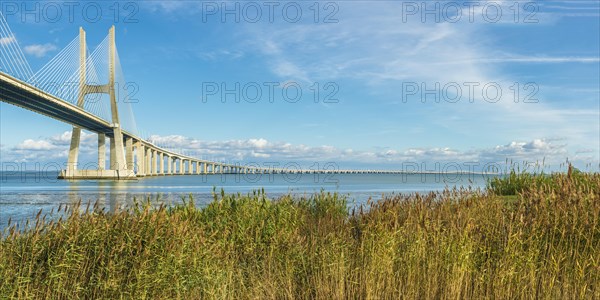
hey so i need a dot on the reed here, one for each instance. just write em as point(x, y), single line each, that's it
point(454, 244)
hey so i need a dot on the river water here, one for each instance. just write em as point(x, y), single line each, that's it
point(23, 194)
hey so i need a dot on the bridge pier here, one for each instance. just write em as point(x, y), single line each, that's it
point(148, 162)
point(161, 162)
point(140, 158)
point(152, 162)
point(101, 151)
point(129, 153)
point(169, 165)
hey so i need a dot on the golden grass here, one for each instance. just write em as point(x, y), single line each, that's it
point(545, 243)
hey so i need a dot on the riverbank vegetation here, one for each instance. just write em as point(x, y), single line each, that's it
point(543, 243)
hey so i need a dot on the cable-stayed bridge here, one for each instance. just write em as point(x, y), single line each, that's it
point(87, 90)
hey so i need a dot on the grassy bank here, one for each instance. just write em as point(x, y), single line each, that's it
point(457, 244)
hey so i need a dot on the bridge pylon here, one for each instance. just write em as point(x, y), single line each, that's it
point(118, 166)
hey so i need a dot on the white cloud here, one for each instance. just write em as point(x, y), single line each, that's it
point(39, 50)
point(533, 150)
point(260, 155)
point(35, 145)
point(259, 143)
point(7, 40)
point(51, 149)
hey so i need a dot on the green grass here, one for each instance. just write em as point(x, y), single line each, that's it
point(541, 242)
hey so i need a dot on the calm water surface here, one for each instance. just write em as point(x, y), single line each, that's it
point(22, 195)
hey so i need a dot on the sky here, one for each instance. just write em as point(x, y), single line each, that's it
point(361, 84)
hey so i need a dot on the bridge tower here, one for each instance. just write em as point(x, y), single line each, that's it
point(118, 167)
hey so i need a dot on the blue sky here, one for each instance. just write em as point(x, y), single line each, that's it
point(370, 56)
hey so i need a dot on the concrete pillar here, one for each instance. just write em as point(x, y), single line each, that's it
point(117, 156)
point(169, 163)
point(173, 166)
point(140, 153)
point(129, 153)
point(112, 154)
point(101, 151)
point(117, 159)
point(181, 166)
point(161, 164)
point(155, 158)
point(197, 167)
point(73, 158)
point(143, 159)
point(148, 162)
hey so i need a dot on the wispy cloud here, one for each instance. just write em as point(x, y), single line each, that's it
point(39, 50)
point(220, 54)
point(371, 44)
point(534, 59)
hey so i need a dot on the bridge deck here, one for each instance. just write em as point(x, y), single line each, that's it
point(24, 95)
